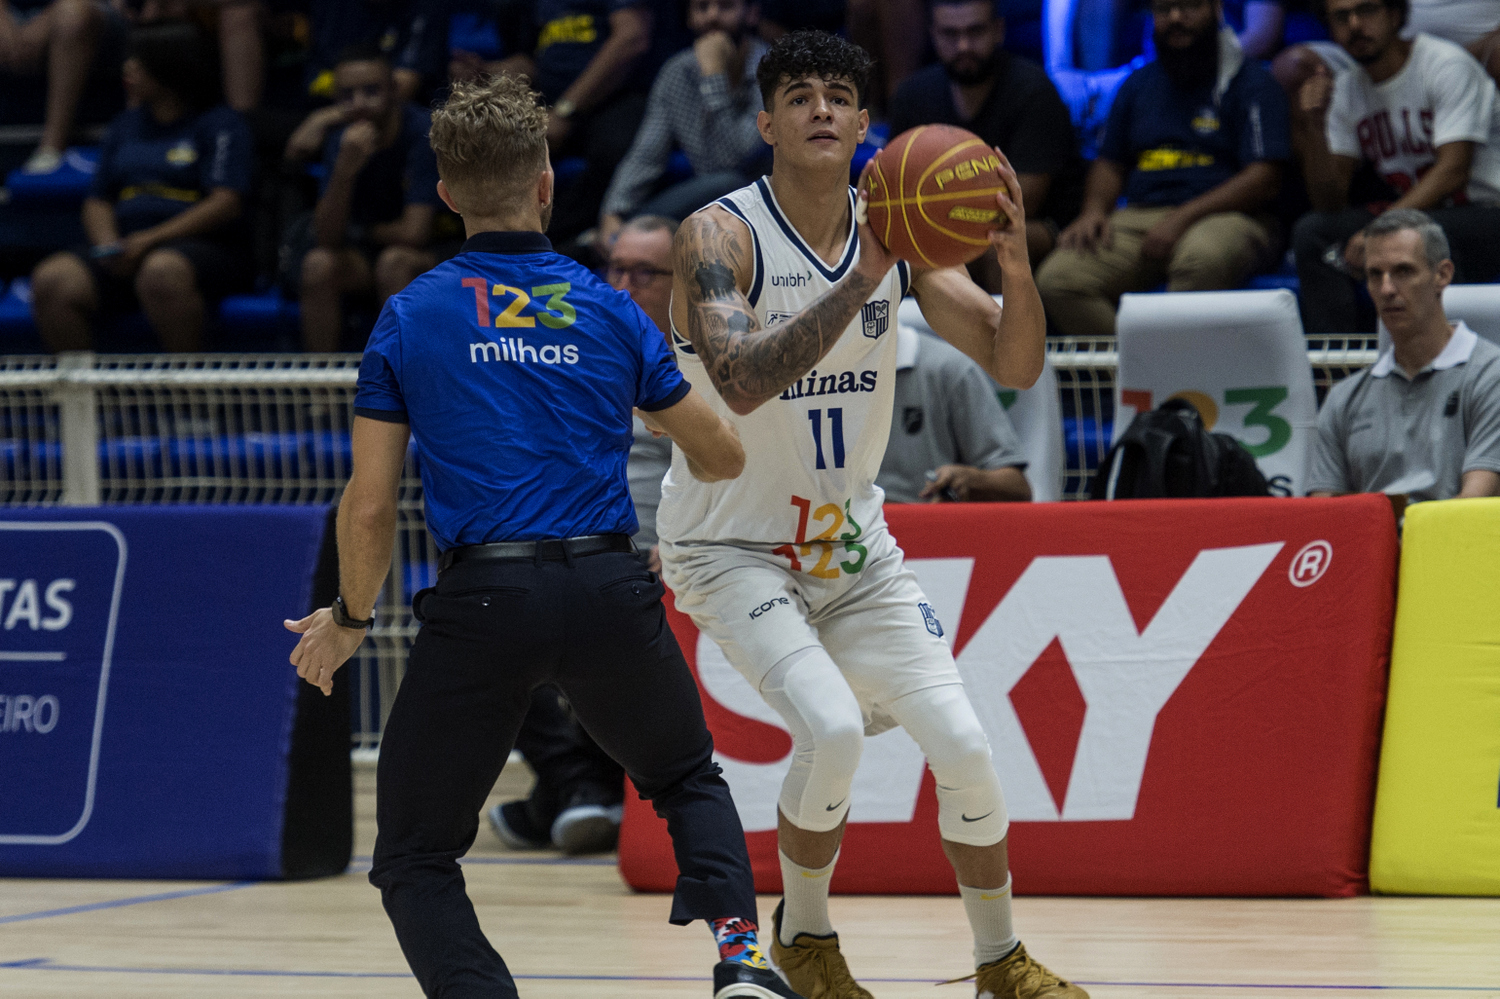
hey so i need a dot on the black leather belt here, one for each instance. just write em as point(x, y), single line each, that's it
point(551, 550)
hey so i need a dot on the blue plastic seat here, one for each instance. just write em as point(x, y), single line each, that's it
point(18, 332)
point(68, 184)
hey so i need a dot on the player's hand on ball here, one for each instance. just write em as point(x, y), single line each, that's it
point(875, 261)
point(323, 647)
point(1009, 238)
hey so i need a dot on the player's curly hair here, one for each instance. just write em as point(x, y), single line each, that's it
point(490, 138)
point(798, 55)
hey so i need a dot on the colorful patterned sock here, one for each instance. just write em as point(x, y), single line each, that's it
point(737, 942)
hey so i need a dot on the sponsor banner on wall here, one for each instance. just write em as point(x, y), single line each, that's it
point(1437, 815)
point(150, 722)
point(1182, 697)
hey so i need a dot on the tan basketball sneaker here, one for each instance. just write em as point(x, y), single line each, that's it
point(813, 965)
point(1019, 976)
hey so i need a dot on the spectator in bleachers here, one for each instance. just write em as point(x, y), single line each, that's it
point(591, 65)
point(60, 38)
point(1424, 420)
point(163, 217)
point(373, 221)
point(1423, 114)
point(1008, 102)
point(951, 441)
point(640, 264)
point(1196, 142)
point(1474, 24)
point(412, 37)
point(705, 101)
point(236, 24)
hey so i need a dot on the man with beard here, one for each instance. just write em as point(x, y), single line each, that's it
point(379, 194)
point(1006, 101)
point(704, 102)
point(1195, 142)
point(1424, 114)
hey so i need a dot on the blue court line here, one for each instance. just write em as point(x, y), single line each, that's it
point(44, 964)
point(118, 902)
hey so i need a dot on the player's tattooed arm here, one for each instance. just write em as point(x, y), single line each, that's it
point(712, 260)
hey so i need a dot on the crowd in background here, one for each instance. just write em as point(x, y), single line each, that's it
point(283, 142)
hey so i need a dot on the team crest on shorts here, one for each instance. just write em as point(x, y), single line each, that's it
point(877, 316)
point(929, 616)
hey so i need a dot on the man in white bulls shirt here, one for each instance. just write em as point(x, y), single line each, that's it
point(783, 315)
point(1426, 116)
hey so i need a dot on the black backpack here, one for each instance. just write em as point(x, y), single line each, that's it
point(1167, 453)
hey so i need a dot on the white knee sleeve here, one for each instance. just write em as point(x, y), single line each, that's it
point(971, 807)
point(828, 732)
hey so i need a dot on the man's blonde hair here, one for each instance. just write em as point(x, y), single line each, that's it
point(490, 138)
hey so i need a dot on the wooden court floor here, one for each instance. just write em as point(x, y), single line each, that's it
point(570, 928)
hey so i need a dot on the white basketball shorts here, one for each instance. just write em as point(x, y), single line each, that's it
point(875, 624)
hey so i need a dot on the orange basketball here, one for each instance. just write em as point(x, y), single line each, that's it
point(932, 195)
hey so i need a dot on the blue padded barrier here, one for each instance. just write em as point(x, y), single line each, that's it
point(153, 726)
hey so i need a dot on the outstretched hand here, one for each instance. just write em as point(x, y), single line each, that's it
point(323, 648)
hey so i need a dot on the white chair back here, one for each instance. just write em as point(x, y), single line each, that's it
point(1239, 356)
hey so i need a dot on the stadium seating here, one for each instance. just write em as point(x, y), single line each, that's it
point(1239, 356)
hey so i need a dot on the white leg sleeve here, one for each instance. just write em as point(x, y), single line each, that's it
point(971, 808)
point(828, 732)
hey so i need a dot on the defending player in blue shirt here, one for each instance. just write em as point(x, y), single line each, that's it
point(516, 370)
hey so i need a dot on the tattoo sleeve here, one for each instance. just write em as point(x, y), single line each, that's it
point(747, 363)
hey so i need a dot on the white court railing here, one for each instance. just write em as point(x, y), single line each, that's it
point(84, 429)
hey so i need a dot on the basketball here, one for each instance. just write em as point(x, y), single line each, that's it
point(931, 195)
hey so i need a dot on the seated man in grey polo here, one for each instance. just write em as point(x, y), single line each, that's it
point(1424, 420)
point(950, 438)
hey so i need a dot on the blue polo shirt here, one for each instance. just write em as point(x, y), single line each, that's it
point(1180, 143)
point(517, 369)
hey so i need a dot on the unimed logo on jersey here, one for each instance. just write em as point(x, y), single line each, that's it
point(1125, 675)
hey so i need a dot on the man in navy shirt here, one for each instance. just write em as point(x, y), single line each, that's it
point(516, 371)
point(1195, 141)
point(378, 195)
point(163, 217)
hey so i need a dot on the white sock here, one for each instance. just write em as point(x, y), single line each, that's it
point(806, 894)
point(989, 918)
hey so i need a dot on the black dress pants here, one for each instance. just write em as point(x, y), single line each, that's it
point(492, 631)
point(1328, 298)
point(570, 767)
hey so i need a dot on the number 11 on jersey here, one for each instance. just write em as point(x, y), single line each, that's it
point(835, 430)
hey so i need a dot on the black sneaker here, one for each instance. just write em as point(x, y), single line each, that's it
point(587, 828)
point(733, 979)
point(515, 829)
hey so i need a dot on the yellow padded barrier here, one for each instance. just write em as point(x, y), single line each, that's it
point(1437, 810)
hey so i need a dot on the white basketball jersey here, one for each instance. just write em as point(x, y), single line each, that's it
point(811, 454)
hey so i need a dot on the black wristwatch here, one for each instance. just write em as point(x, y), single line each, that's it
point(343, 620)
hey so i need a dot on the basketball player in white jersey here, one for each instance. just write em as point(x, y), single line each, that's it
point(783, 316)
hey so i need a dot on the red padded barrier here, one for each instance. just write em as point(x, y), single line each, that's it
point(1183, 698)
